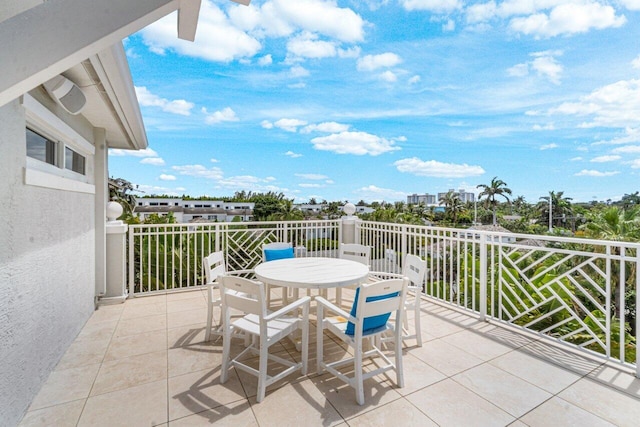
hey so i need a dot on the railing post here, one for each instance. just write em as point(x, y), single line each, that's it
point(483, 276)
point(116, 288)
point(348, 225)
point(637, 313)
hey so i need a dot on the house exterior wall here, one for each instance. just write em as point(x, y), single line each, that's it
point(47, 268)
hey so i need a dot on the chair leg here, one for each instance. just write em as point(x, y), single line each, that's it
point(399, 368)
point(262, 371)
point(319, 341)
point(226, 350)
point(207, 333)
point(305, 339)
point(339, 297)
point(359, 386)
point(417, 322)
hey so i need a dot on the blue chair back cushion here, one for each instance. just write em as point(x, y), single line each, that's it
point(274, 254)
point(373, 322)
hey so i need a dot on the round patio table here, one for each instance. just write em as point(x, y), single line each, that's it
point(312, 272)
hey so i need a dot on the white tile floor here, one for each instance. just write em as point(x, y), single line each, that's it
point(144, 363)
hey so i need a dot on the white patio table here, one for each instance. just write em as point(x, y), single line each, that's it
point(312, 272)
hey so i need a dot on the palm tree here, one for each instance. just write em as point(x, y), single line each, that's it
point(560, 207)
point(453, 205)
point(497, 187)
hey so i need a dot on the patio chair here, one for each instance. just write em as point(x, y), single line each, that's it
point(368, 319)
point(214, 267)
point(415, 269)
point(266, 328)
point(271, 252)
point(354, 252)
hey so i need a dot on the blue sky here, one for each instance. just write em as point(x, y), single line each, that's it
point(377, 99)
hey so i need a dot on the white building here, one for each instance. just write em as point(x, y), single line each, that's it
point(464, 196)
point(54, 169)
point(194, 210)
point(422, 199)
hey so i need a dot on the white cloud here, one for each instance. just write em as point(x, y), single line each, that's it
point(437, 169)
point(311, 176)
point(290, 125)
point(292, 154)
point(147, 152)
point(543, 63)
point(265, 60)
point(627, 149)
point(568, 18)
point(604, 159)
point(177, 106)
point(575, 159)
point(636, 62)
point(328, 127)
point(432, 5)
point(389, 76)
point(225, 115)
point(165, 177)
point(373, 193)
point(217, 38)
point(242, 182)
point(351, 52)
point(298, 71)
point(199, 171)
point(481, 12)
point(308, 46)
point(450, 25)
point(214, 160)
point(595, 173)
point(630, 4)
point(413, 80)
point(373, 62)
point(155, 161)
point(614, 105)
point(548, 126)
point(266, 124)
point(309, 185)
point(549, 146)
point(358, 143)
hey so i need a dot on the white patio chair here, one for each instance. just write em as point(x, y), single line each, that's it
point(354, 252)
point(271, 252)
point(372, 308)
point(214, 267)
point(266, 328)
point(415, 269)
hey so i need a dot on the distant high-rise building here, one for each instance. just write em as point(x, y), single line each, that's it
point(464, 196)
point(422, 199)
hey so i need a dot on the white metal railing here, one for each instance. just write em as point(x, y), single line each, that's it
point(579, 292)
point(166, 257)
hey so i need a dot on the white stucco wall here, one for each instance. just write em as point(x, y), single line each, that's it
point(47, 271)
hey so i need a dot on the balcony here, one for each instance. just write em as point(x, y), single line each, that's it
point(144, 362)
point(534, 329)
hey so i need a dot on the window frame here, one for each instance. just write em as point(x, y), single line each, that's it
point(42, 174)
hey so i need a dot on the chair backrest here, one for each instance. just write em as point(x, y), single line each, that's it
point(277, 250)
point(244, 295)
point(375, 302)
point(355, 252)
point(414, 268)
point(213, 266)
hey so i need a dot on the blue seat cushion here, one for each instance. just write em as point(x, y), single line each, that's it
point(274, 254)
point(370, 323)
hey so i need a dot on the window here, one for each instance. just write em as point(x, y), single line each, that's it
point(41, 148)
point(57, 156)
point(73, 161)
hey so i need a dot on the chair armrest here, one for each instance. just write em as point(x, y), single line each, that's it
point(334, 308)
point(294, 305)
